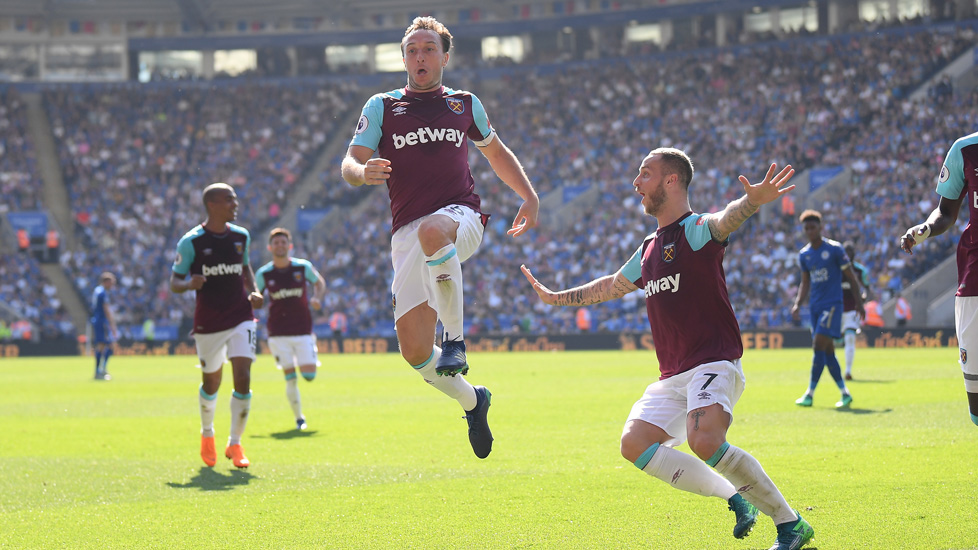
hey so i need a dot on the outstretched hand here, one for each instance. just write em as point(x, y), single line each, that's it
point(543, 292)
point(526, 219)
point(771, 188)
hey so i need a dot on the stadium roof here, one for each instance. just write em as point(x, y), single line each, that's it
point(207, 12)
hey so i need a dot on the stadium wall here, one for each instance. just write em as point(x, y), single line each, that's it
point(773, 339)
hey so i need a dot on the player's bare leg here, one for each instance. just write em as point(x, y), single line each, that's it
point(973, 406)
point(415, 337)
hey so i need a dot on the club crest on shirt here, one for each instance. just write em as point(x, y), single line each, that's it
point(964, 356)
point(669, 253)
point(239, 248)
point(297, 276)
point(271, 282)
point(825, 254)
point(456, 105)
point(208, 251)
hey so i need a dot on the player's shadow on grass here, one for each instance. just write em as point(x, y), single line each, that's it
point(868, 381)
point(207, 479)
point(289, 434)
point(853, 410)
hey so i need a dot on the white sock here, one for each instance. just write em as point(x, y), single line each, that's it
point(850, 340)
point(240, 407)
point(684, 472)
point(445, 270)
point(753, 483)
point(292, 392)
point(208, 408)
point(456, 387)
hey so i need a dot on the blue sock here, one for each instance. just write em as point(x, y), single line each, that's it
point(974, 418)
point(836, 371)
point(105, 357)
point(818, 364)
point(98, 362)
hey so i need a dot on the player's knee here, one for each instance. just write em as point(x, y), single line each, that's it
point(632, 447)
point(433, 234)
point(415, 355)
point(704, 445)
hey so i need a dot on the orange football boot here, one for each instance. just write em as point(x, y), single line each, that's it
point(207, 451)
point(236, 454)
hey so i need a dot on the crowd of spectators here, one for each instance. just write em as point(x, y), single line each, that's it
point(34, 306)
point(37, 310)
point(20, 182)
point(135, 159)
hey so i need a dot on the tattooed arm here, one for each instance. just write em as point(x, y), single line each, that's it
point(599, 290)
point(722, 224)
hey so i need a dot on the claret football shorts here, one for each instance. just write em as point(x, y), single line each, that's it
point(412, 285)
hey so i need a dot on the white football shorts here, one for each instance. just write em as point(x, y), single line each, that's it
point(412, 285)
point(294, 351)
point(667, 402)
point(851, 321)
point(966, 326)
point(214, 349)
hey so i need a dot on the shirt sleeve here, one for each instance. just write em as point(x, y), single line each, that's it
point(950, 183)
point(246, 260)
point(185, 257)
point(697, 231)
point(632, 270)
point(310, 272)
point(482, 132)
point(368, 131)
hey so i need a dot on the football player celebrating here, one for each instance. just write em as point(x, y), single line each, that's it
point(290, 337)
point(215, 256)
point(697, 342)
point(421, 133)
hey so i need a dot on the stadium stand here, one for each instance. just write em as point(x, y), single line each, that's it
point(136, 156)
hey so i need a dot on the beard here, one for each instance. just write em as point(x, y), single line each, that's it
point(656, 199)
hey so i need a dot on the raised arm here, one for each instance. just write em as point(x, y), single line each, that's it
point(723, 223)
point(505, 164)
point(599, 290)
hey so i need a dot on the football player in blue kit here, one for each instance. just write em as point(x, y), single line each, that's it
point(824, 264)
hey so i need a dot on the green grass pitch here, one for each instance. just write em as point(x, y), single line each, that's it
point(386, 462)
